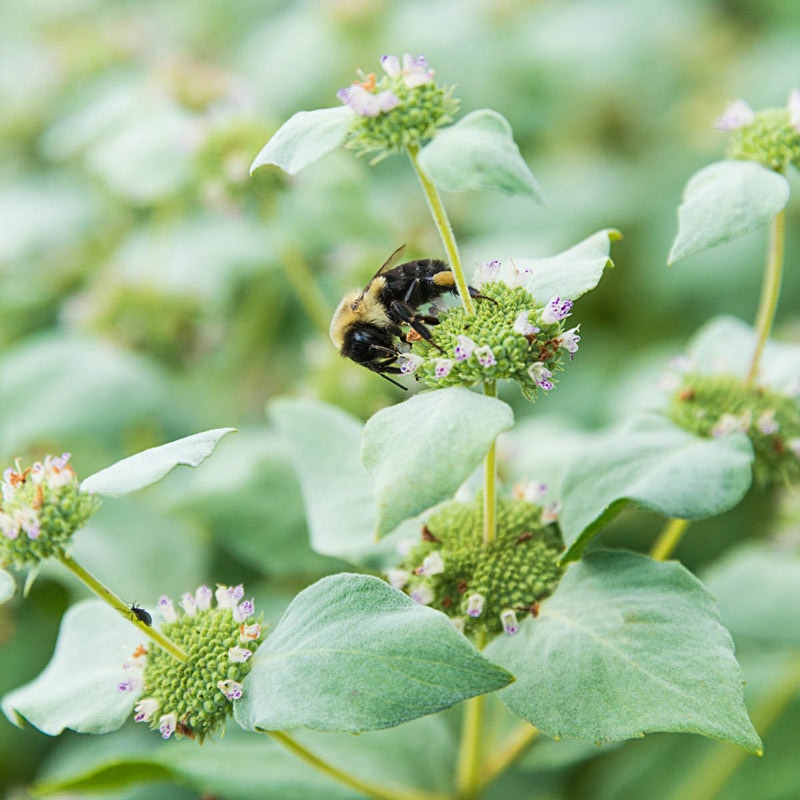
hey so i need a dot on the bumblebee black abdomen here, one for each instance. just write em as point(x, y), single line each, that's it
point(416, 283)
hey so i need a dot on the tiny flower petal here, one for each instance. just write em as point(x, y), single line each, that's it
point(422, 594)
point(465, 347)
point(202, 598)
point(569, 340)
point(8, 527)
point(475, 605)
point(508, 618)
point(244, 610)
point(541, 376)
point(144, 709)
point(249, 633)
point(523, 326)
point(410, 363)
point(397, 578)
point(556, 310)
point(550, 512)
point(737, 115)
point(485, 356)
point(239, 654)
point(728, 423)
point(531, 492)
point(167, 609)
point(767, 423)
point(366, 103)
point(794, 109)
point(231, 689)
point(228, 596)
point(442, 367)
point(391, 65)
point(488, 272)
point(188, 604)
point(132, 684)
point(433, 564)
point(416, 71)
point(166, 725)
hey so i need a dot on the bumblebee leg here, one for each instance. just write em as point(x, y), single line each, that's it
point(408, 314)
point(474, 293)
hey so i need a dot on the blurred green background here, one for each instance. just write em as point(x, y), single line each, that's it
point(149, 288)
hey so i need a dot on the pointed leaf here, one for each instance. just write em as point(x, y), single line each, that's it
point(420, 451)
point(725, 201)
point(305, 138)
point(324, 443)
point(150, 466)
point(658, 466)
point(7, 586)
point(353, 654)
point(572, 273)
point(626, 646)
point(78, 688)
point(478, 152)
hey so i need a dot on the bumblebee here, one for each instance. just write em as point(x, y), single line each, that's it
point(367, 324)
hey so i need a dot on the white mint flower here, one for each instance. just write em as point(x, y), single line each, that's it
point(465, 347)
point(523, 326)
point(737, 115)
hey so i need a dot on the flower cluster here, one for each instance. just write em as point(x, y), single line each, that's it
point(398, 111)
point(42, 506)
point(194, 697)
point(488, 587)
point(771, 136)
point(717, 405)
point(510, 336)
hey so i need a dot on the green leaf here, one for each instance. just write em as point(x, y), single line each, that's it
point(7, 586)
point(658, 466)
point(626, 646)
point(78, 688)
point(757, 588)
point(478, 152)
point(305, 138)
point(725, 345)
point(353, 654)
point(150, 466)
point(420, 451)
point(724, 201)
point(324, 442)
point(572, 273)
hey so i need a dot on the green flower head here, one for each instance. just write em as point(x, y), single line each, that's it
point(42, 506)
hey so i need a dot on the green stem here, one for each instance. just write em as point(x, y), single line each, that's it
point(306, 288)
point(515, 744)
point(490, 480)
point(770, 290)
point(104, 593)
point(365, 787)
point(668, 539)
point(442, 223)
point(469, 767)
point(713, 773)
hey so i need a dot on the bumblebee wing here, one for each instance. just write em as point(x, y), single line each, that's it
point(390, 262)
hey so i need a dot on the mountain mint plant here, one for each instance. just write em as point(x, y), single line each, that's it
point(475, 588)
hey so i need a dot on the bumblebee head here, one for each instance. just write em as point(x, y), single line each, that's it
point(369, 345)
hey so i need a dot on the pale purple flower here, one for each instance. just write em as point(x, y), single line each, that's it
point(729, 423)
point(523, 325)
point(422, 594)
point(202, 598)
point(189, 604)
point(464, 348)
point(569, 341)
point(432, 564)
point(410, 363)
point(767, 423)
point(550, 512)
point(397, 578)
point(238, 655)
point(488, 271)
point(520, 275)
point(231, 689)
point(366, 103)
point(414, 71)
point(229, 596)
point(531, 492)
point(485, 356)
point(144, 709)
point(475, 603)
point(509, 620)
point(167, 724)
point(244, 610)
point(8, 527)
point(737, 115)
point(167, 609)
point(442, 367)
point(794, 109)
point(556, 310)
point(541, 376)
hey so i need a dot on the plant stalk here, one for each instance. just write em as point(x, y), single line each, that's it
point(469, 768)
point(365, 787)
point(306, 288)
point(442, 223)
point(490, 480)
point(668, 539)
point(104, 593)
point(515, 744)
point(770, 290)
